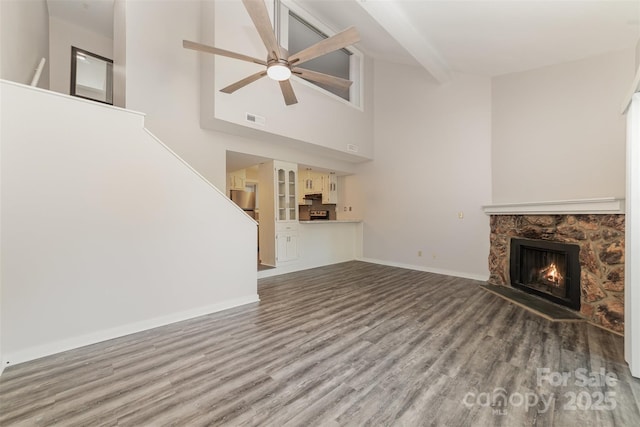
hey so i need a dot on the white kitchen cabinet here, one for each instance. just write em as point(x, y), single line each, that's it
point(311, 182)
point(237, 180)
point(278, 200)
point(330, 189)
point(286, 184)
point(318, 183)
point(306, 182)
point(286, 242)
point(301, 191)
point(325, 184)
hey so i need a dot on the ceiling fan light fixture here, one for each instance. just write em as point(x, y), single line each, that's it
point(278, 72)
point(278, 63)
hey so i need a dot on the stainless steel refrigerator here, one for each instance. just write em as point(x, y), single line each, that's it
point(246, 200)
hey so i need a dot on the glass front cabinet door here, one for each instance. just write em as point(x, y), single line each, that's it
point(286, 191)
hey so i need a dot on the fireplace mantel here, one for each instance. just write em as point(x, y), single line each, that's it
point(606, 205)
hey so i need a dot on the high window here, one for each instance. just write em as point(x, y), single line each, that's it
point(337, 63)
point(299, 30)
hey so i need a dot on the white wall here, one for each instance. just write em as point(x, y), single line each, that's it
point(104, 231)
point(24, 40)
point(63, 35)
point(558, 133)
point(351, 201)
point(433, 148)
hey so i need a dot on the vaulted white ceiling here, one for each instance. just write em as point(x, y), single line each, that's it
point(485, 37)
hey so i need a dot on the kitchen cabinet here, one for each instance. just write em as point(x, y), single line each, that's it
point(330, 189)
point(237, 180)
point(301, 192)
point(311, 183)
point(286, 243)
point(306, 182)
point(278, 201)
point(319, 183)
point(286, 184)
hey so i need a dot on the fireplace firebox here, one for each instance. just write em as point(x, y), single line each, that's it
point(548, 269)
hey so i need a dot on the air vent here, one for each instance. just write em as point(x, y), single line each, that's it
point(353, 148)
point(253, 118)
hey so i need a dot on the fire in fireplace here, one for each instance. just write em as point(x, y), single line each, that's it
point(547, 269)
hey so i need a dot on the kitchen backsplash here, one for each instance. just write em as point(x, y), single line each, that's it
point(317, 206)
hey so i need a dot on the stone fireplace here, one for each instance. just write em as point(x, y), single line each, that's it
point(599, 239)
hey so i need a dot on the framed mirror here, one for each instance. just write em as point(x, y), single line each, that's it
point(91, 76)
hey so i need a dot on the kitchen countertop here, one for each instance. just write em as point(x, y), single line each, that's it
point(325, 221)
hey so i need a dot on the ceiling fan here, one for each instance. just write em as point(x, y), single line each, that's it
point(280, 66)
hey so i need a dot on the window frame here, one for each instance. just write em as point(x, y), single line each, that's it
point(108, 76)
point(356, 59)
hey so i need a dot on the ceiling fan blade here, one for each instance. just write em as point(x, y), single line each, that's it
point(327, 79)
point(210, 49)
point(242, 83)
point(260, 16)
point(287, 92)
point(335, 42)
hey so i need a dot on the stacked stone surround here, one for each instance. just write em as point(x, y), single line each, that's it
point(601, 241)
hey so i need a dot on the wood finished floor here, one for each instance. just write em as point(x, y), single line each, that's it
point(350, 344)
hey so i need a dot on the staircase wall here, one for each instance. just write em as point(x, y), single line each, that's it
point(104, 230)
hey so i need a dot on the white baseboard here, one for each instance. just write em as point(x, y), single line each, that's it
point(37, 352)
point(427, 269)
point(293, 267)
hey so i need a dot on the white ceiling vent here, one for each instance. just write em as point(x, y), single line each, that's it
point(253, 118)
point(352, 147)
